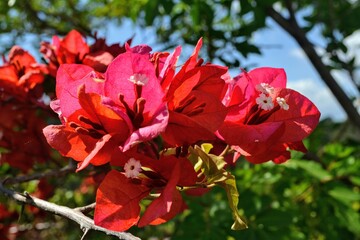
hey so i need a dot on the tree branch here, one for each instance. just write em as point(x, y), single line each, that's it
point(54, 173)
point(86, 209)
point(299, 35)
point(85, 222)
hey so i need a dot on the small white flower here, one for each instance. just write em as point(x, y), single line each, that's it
point(265, 102)
point(132, 168)
point(139, 79)
point(282, 103)
point(265, 88)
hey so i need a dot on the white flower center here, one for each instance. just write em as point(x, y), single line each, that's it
point(139, 79)
point(282, 103)
point(265, 88)
point(265, 102)
point(132, 168)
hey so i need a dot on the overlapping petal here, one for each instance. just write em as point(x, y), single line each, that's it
point(266, 134)
point(106, 115)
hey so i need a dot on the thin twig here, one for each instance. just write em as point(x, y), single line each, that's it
point(86, 209)
point(53, 173)
point(85, 222)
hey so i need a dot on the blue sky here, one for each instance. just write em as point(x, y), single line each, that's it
point(286, 54)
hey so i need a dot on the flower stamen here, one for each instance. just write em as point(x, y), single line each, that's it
point(132, 168)
point(265, 102)
point(139, 79)
point(282, 103)
point(265, 88)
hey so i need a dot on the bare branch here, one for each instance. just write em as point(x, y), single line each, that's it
point(53, 173)
point(85, 222)
point(290, 8)
point(86, 209)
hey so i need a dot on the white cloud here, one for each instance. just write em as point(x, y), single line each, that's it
point(321, 96)
point(343, 79)
point(298, 53)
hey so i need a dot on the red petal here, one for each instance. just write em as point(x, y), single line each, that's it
point(117, 81)
point(168, 70)
point(275, 77)
point(117, 202)
point(69, 78)
point(192, 61)
point(301, 118)
point(239, 134)
point(167, 206)
point(75, 44)
point(195, 127)
point(68, 142)
point(21, 57)
point(99, 60)
point(188, 176)
point(98, 113)
point(99, 154)
point(191, 131)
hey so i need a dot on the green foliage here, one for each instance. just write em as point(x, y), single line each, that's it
point(301, 199)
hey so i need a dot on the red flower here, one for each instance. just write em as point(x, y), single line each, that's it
point(20, 75)
point(21, 138)
point(266, 119)
point(117, 206)
point(105, 116)
point(193, 96)
point(114, 49)
point(73, 49)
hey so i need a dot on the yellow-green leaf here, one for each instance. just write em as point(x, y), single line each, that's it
point(233, 198)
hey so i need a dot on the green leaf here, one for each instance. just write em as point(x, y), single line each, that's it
point(195, 13)
point(344, 194)
point(350, 217)
point(275, 218)
point(312, 168)
point(151, 11)
point(233, 197)
point(212, 167)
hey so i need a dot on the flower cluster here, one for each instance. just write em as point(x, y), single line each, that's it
point(163, 127)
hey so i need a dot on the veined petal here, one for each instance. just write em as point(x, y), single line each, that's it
point(99, 113)
point(100, 154)
point(69, 78)
point(275, 77)
point(300, 119)
point(117, 81)
point(117, 202)
point(68, 142)
point(74, 43)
